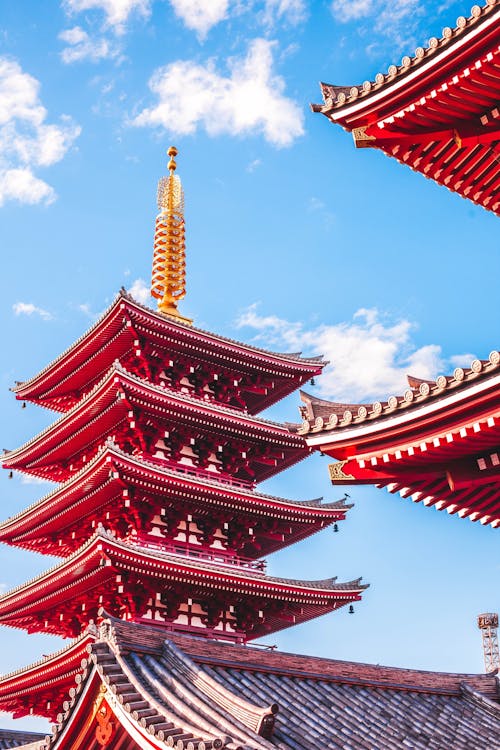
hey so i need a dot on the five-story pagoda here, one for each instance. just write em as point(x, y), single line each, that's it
point(158, 451)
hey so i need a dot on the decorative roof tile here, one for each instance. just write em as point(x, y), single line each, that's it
point(244, 697)
point(320, 415)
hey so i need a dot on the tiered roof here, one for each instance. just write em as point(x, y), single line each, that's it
point(138, 413)
point(438, 111)
point(137, 336)
point(60, 522)
point(10, 738)
point(188, 693)
point(136, 581)
point(158, 449)
point(439, 443)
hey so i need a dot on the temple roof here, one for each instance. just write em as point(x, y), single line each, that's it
point(438, 111)
point(10, 738)
point(121, 398)
point(183, 690)
point(41, 688)
point(120, 329)
point(438, 444)
point(59, 522)
point(123, 576)
point(466, 385)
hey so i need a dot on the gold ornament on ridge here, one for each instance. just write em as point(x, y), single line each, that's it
point(168, 280)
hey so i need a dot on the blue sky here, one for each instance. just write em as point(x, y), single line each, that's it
point(295, 241)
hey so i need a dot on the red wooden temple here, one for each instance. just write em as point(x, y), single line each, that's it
point(438, 443)
point(438, 111)
point(157, 450)
point(161, 530)
point(126, 686)
point(158, 459)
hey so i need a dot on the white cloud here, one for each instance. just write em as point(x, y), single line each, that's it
point(21, 185)
point(395, 19)
point(292, 11)
point(28, 308)
point(462, 360)
point(369, 356)
point(117, 12)
point(83, 47)
point(348, 10)
point(200, 15)
point(250, 100)
point(140, 291)
point(27, 141)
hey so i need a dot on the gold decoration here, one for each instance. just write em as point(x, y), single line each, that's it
point(168, 281)
point(361, 139)
point(336, 472)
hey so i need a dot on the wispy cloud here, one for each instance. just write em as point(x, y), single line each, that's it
point(27, 141)
point(249, 100)
point(201, 15)
point(369, 355)
point(253, 165)
point(117, 13)
point(81, 46)
point(291, 11)
point(348, 10)
point(396, 20)
point(140, 291)
point(319, 207)
point(28, 308)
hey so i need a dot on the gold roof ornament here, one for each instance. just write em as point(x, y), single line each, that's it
point(168, 280)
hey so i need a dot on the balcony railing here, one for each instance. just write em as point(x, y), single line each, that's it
point(197, 473)
point(195, 552)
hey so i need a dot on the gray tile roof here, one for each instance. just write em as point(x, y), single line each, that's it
point(13, 738)
point(210, 694)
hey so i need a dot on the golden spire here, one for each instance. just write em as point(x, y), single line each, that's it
point(168, 280)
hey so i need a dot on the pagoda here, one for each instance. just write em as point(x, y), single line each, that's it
point(157, 451)
point(437, 112)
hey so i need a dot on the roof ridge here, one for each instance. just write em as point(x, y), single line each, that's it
point(123, 295)
point(117, 367)
point(479, 370)
point(336, 97)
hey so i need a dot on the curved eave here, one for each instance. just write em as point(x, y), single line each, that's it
point(114, 334)
point(95, 565)
point(80, 501)
point(40, 688)
point(355, 106)
point(438, 114)
point(419, 419)
point(477, 503)
point(76, 429)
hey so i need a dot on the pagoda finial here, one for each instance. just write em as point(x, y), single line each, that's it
point(168, 281)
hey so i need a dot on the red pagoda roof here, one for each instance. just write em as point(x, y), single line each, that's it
point(59, 523)
point(41, 688)
point(439, 443)
point(130, 329)
point(121, 400)
point(184, 690)
point(438, 112)
point(128, 580)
